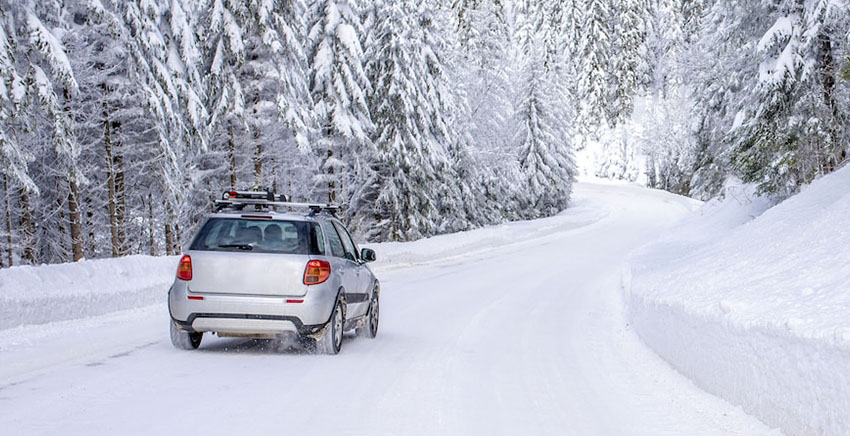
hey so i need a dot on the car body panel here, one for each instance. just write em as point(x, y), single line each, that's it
point(222, 272)
point(311, 309)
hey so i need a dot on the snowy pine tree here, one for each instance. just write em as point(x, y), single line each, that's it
point(483, 69)
point(594, 71)
point(797, 130)
point(338, 86)
point(412, 192)
point(13, 89)
point(15, 156)
point(258, 85)
point(629, 60)
point(545, 151)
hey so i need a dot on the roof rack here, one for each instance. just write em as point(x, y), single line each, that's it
point(263, 199)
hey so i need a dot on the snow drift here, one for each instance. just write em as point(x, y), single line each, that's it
point(753, 303)
point(47, 293)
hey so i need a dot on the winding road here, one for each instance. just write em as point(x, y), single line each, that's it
point(527, 337)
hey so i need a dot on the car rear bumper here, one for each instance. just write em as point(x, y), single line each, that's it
point(250, 314)
point(243, 324)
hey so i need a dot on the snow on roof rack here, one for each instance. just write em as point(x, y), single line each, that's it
point(262, 199)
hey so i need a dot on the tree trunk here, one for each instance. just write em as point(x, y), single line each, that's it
point(120, 192)
point(9, 247)
point(169, 231)
point(827, 72)
point(64, 249)
point(169, 239)
point(74, 219)
point(120, 200)
point(110, 184)
point(331, 181)
point(91, 240)
point(340, 180)
point(258, 159)
point(258, 156)
point(28, 228)
point(151, 241)
point(175, 249)
point(231, 146)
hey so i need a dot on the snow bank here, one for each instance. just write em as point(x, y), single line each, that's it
point(46, 293)
point(753, 303)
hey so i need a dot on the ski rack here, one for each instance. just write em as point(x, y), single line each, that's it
point(266, 199)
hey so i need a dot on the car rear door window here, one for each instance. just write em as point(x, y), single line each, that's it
point(334, 241)
point(347, 242)
point(317, 239)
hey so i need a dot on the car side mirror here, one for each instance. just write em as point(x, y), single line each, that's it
point(367, 254)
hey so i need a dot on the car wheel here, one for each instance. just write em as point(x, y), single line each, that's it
point(331, 341)
point(370, 328)
point(184, 340)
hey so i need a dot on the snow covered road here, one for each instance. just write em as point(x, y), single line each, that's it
point(516, 335)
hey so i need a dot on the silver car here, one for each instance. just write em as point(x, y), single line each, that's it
point(261, 273)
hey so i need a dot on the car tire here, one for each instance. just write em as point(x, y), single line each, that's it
point(331, 340)
point(184, 340)
point(370, 328)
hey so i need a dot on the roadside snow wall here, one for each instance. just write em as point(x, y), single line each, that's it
point(755, 307)
point(47, 293)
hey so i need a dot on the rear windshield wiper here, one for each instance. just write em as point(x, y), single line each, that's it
point(247, 247)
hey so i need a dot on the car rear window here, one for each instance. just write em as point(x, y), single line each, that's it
point(261, 235)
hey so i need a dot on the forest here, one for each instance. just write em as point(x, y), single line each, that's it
point(121, 120)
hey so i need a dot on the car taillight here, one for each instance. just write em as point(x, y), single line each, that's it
point(184, 269)
point(317, 271)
